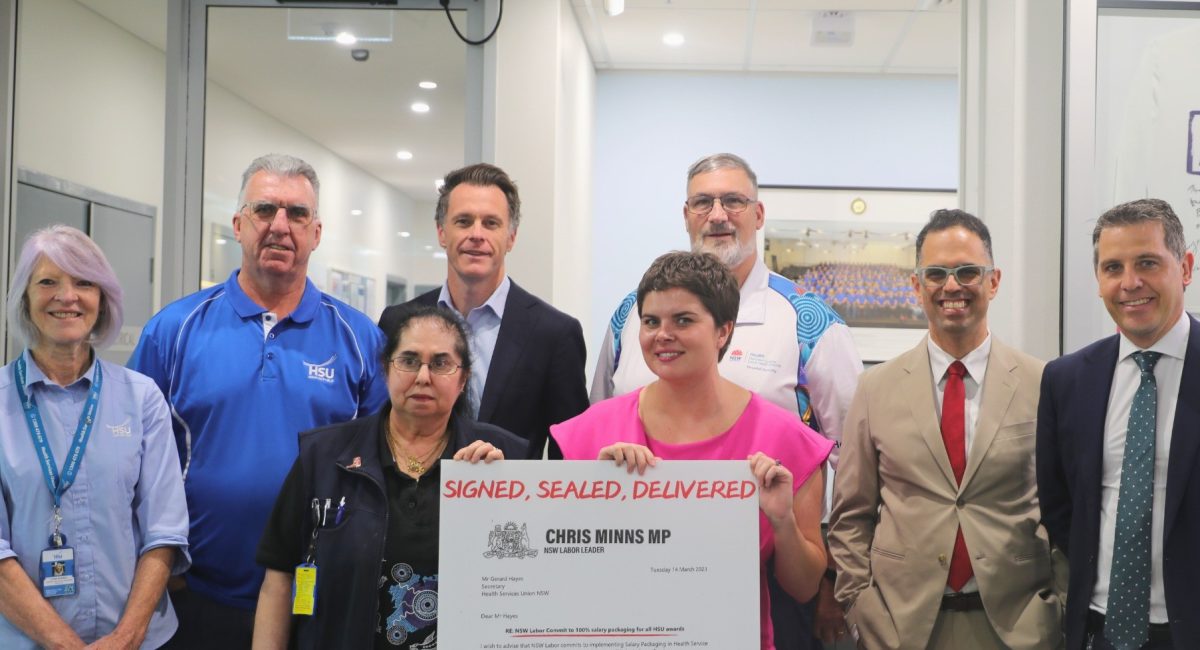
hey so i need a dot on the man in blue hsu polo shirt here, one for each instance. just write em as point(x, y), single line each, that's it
point(245, 366)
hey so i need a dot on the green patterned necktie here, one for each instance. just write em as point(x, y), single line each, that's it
point(1127, 623)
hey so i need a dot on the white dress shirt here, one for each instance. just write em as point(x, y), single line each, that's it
point(976, 362)
point(1126, 378)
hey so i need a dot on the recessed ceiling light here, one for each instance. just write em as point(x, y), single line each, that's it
point(420, 107)
point(674, 39)
point(346, 38)
point(428, 85)
point(404, 233)
point(355, 212)
point(221, 241)
point(438, 183)
point(428, 247)
point(404, 155)
point(439, 255)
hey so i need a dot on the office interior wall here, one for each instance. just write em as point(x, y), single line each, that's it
point(90, 109)
point(89, 101)
point(542, 138)
point(792, 129)
point(1012, 157)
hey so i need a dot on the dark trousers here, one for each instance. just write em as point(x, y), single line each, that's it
point(204, 624)
point(791, 620)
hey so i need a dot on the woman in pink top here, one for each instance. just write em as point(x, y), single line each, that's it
point(688, 304)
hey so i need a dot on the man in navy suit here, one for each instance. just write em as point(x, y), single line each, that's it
point(1118, 437)
point(528, 356)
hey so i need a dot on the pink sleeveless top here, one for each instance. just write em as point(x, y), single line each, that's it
point(762, 426)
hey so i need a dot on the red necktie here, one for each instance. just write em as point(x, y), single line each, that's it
point(954, 435)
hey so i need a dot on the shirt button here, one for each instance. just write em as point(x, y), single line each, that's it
point(271, 335)
point(270, 355)
point(412, 504)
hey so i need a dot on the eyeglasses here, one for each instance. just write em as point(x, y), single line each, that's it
point(702, 204)
point(265, 211)
point(438, 366)
point(967, 275)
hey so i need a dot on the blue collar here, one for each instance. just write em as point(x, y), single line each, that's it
point(247, 308)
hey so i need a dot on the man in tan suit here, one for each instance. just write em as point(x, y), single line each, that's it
point(934, 526)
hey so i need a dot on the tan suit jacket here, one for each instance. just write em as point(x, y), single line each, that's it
point(897, 507)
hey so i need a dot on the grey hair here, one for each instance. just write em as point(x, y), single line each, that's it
point(76, 254)
point(281, 164)
point(1142, 211)
point(722, 161)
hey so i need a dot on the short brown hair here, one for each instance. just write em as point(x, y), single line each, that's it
point(1142, 211)
point(703, 276)
point(481, 175)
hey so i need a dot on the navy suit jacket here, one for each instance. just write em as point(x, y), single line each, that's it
point(536, 377)
point(1070, 440)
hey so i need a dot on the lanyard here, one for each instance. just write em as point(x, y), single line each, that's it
point(58, 486)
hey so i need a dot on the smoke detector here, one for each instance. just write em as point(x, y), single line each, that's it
point(833, 28)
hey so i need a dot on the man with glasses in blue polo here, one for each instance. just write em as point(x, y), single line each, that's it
point(245, 366)
point(788, 345)
point(935, 522)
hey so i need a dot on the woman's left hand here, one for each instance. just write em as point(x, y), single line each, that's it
point(479, 450)
point(774, 487)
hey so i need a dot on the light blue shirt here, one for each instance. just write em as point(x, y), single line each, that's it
point(127, 499)
point(484, 325)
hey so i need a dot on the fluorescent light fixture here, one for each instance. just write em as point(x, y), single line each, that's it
point(221, 241)
point(404, 155)
point(345, 38)
point(674, 39)
point(404, 233)
point(439, 255)
point(420, 107)
point(614, 7)
point(355, 212)
point(428, 85)
point(428, 247)
point(438, 183)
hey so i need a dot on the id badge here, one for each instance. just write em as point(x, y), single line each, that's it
point(304, 590)
point(56, 572)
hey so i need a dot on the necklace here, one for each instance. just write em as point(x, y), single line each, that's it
point(415, 465)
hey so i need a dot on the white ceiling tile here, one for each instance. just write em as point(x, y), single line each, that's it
point(932, 45)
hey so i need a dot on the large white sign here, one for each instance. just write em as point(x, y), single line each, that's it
point(575, 554)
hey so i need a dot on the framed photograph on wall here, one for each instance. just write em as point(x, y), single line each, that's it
point(856, 248)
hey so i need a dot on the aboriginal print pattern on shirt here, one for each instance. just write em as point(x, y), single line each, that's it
point(408, 609)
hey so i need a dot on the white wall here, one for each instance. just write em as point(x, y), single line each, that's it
point(543, 139)
point(90, 103)
point(792, 129)
point(1012, 154)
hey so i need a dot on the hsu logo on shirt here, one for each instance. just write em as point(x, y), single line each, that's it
point(121, 430)
point(321, 371)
